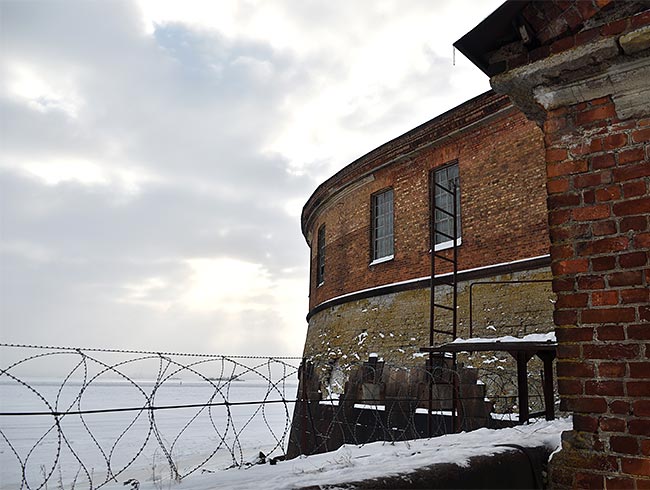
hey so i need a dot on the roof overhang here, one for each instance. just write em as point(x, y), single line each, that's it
point(498, 29)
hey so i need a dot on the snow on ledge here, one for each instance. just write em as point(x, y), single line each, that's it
point(383, 259)
point(447, 413)
point(364, 406)
point(533, 337)
point(331, 402)
point(377, 459)
point(512, 417)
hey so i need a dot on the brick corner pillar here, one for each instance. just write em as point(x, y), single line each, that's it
point(593, 102)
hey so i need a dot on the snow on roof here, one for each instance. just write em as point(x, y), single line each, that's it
point(378, 459)
point(533, 337)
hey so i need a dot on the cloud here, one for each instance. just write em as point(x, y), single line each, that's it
point(134, 162)
point(156, 156)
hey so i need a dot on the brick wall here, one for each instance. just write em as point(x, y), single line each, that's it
point(599, 208)
point(587, 83)
point(501, 166)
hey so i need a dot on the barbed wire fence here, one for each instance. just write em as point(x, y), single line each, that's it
point(91, 418)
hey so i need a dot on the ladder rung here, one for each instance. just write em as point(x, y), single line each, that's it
point(444, 234)
point(438, 256)
point(443, 211)
point(443, 307)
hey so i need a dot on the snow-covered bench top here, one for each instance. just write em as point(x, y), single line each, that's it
point(534, 341)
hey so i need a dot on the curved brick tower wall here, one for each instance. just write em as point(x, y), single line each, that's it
point(362, 307)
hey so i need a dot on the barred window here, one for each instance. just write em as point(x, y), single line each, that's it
point(382, 225)
point(446, 177)
point(320, 256)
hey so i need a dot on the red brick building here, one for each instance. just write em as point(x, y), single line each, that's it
point(369, 229)
point(565, 167)
point(499, 157)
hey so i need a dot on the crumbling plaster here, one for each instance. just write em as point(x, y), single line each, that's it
point(612, 66)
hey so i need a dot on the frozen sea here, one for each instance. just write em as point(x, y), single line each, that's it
point(141, 444)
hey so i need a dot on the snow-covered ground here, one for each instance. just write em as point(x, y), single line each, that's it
point(355, 463)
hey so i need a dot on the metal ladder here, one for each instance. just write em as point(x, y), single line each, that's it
point(436, 361)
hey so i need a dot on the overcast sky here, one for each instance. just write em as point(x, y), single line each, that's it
point(155, 156)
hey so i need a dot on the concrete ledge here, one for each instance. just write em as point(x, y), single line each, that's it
point(636, 41)
point(514, 468)
point(425, 282)
point(584, 73)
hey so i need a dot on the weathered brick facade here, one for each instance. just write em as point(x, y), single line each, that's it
point(585, 77)
point(503, 208)
point(580, 70)
point(600, 257)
